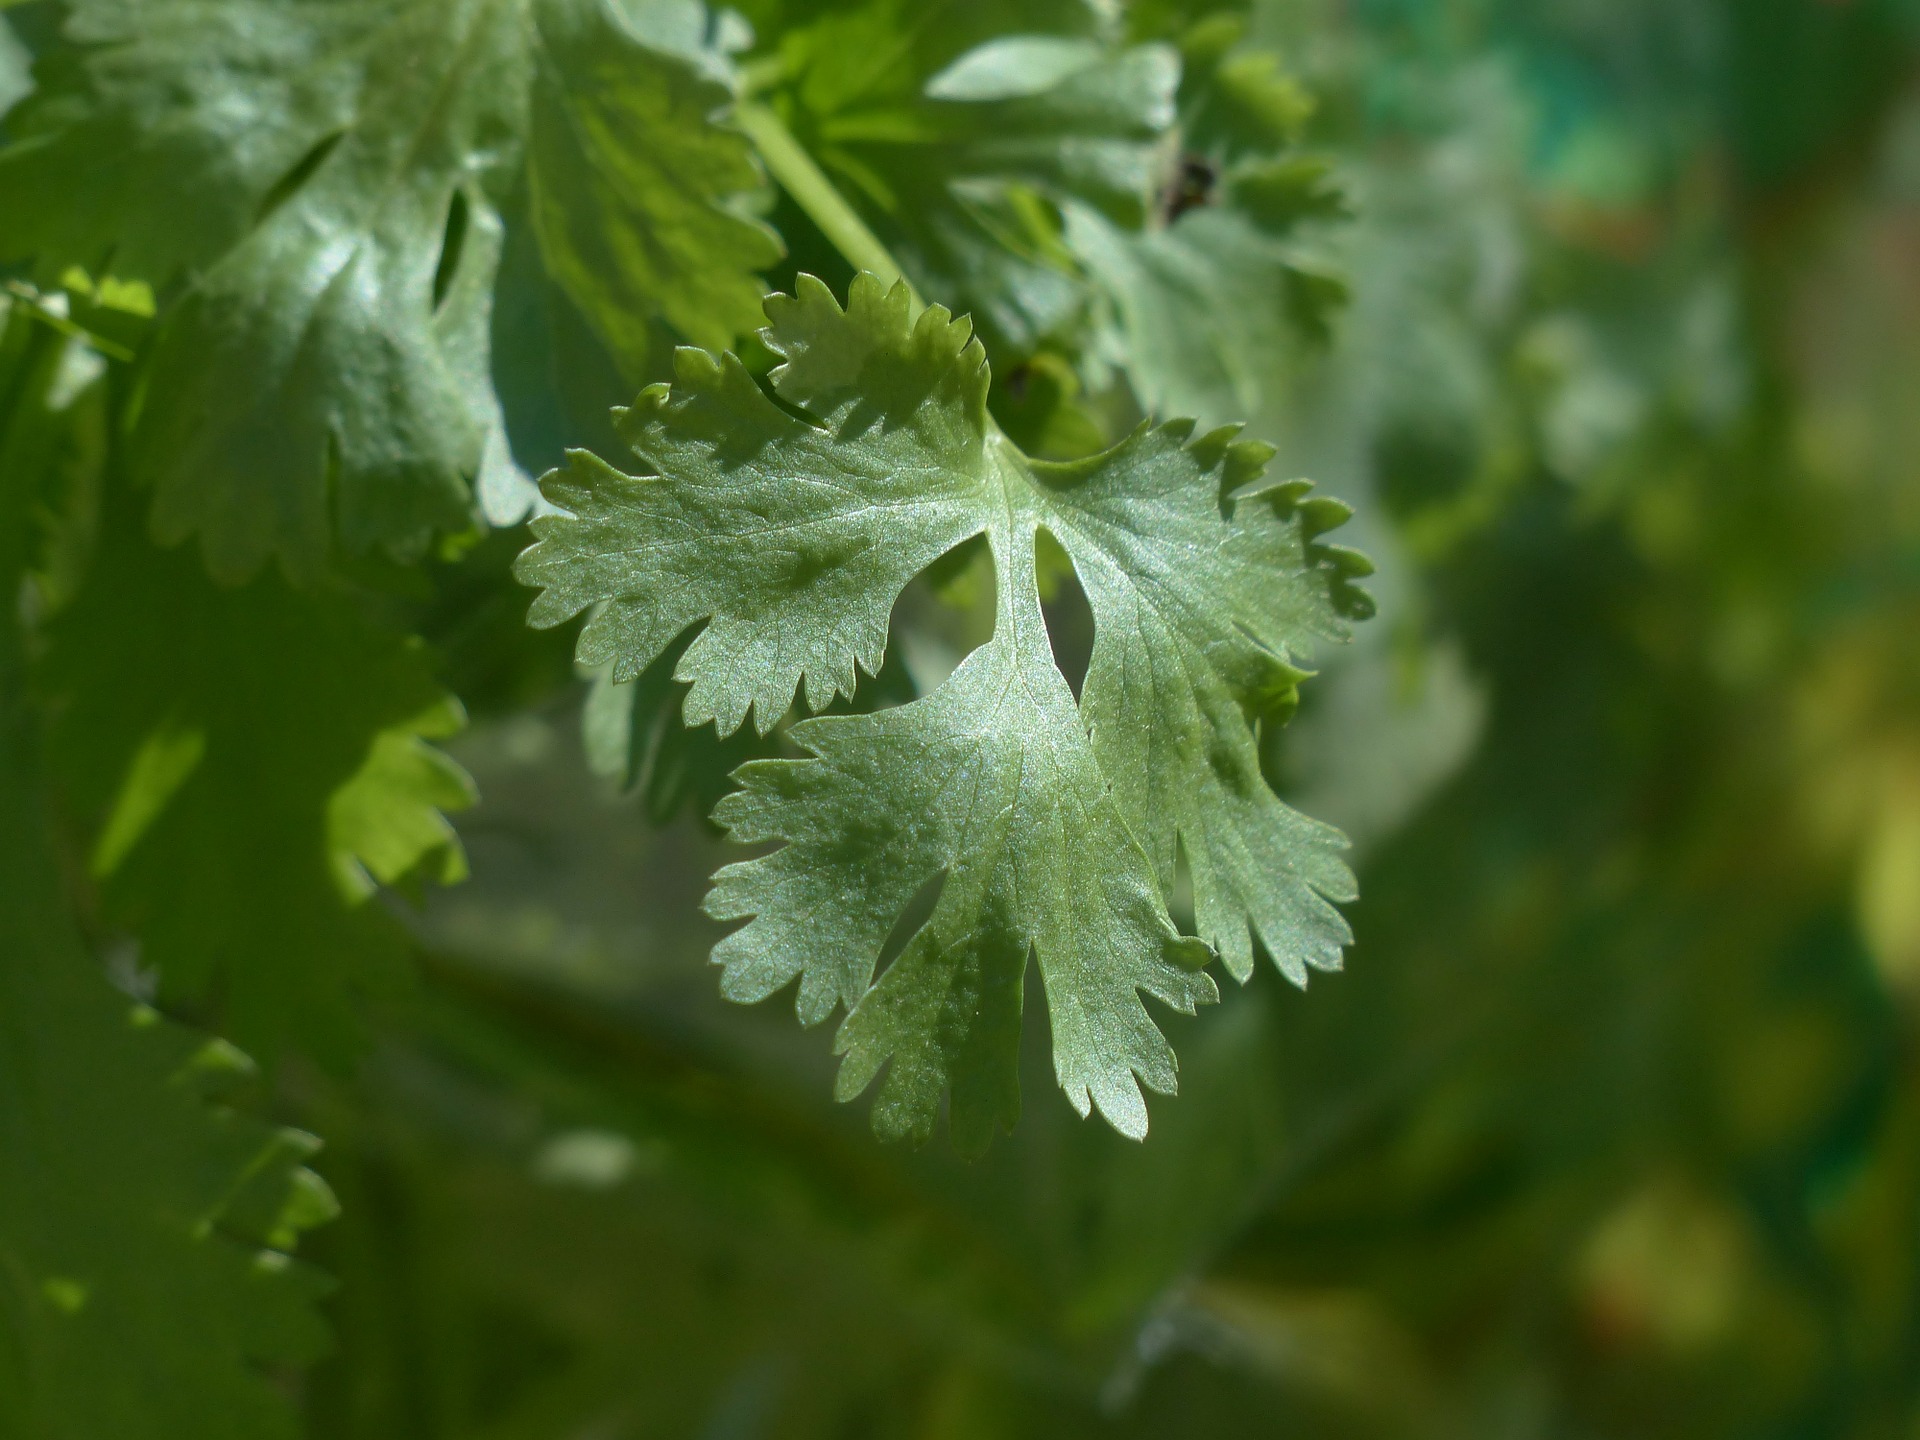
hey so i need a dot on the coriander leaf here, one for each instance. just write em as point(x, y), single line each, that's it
point(1200, 311)
point(1236, 100)
point(1208, 307)
point(963, 177)
point(388, 822)
point(255, 761)
point(990, 783)
point(806, 588)
point(881, 51)
point(633, 736)
point(790, 529)
point(1194, 621)
point(556, 381)
point(320, 185)
point(143, 1273)
point(324, 172)
point(633, 183)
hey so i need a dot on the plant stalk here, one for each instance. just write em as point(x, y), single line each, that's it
point(790, 165)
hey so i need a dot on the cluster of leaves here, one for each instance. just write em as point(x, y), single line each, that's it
point(299, 296)
point(317, 392)
point(1615, 1132)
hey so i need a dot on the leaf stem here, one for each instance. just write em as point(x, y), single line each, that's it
point(50, 313)
point(790, 164)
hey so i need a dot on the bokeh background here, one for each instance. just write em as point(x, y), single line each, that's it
point(1611, 1127)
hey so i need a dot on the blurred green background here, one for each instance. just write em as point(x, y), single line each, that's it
point(1611, 1127)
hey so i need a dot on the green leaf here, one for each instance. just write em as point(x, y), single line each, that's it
point(325, 181)
point(791, 528)
point(1211, 305)
point(257, 761)
point(307, 165)
point(881, 52)
point(388, 821)
point(1209, 316)
point(1195, 620)
point(143, 1273)
point(16, 77)
point(962, 178)
point(1043, 182)
point(632, 183)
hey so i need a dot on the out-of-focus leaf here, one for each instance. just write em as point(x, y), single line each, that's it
point(1204, 308)
point(339, 226)
point(16, 68)
point(143, 1273)
point(632, 182)
point(326, 181)
point(135, 1300)
point(1211, 308)
point(255, 761)
point(962, 173)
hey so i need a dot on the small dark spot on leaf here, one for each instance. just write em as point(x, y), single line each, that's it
point(1191, 187)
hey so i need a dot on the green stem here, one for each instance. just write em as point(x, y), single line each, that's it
point(42, 309)
point(789, 163)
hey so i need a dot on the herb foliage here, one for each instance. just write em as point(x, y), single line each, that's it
point(279, 276)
